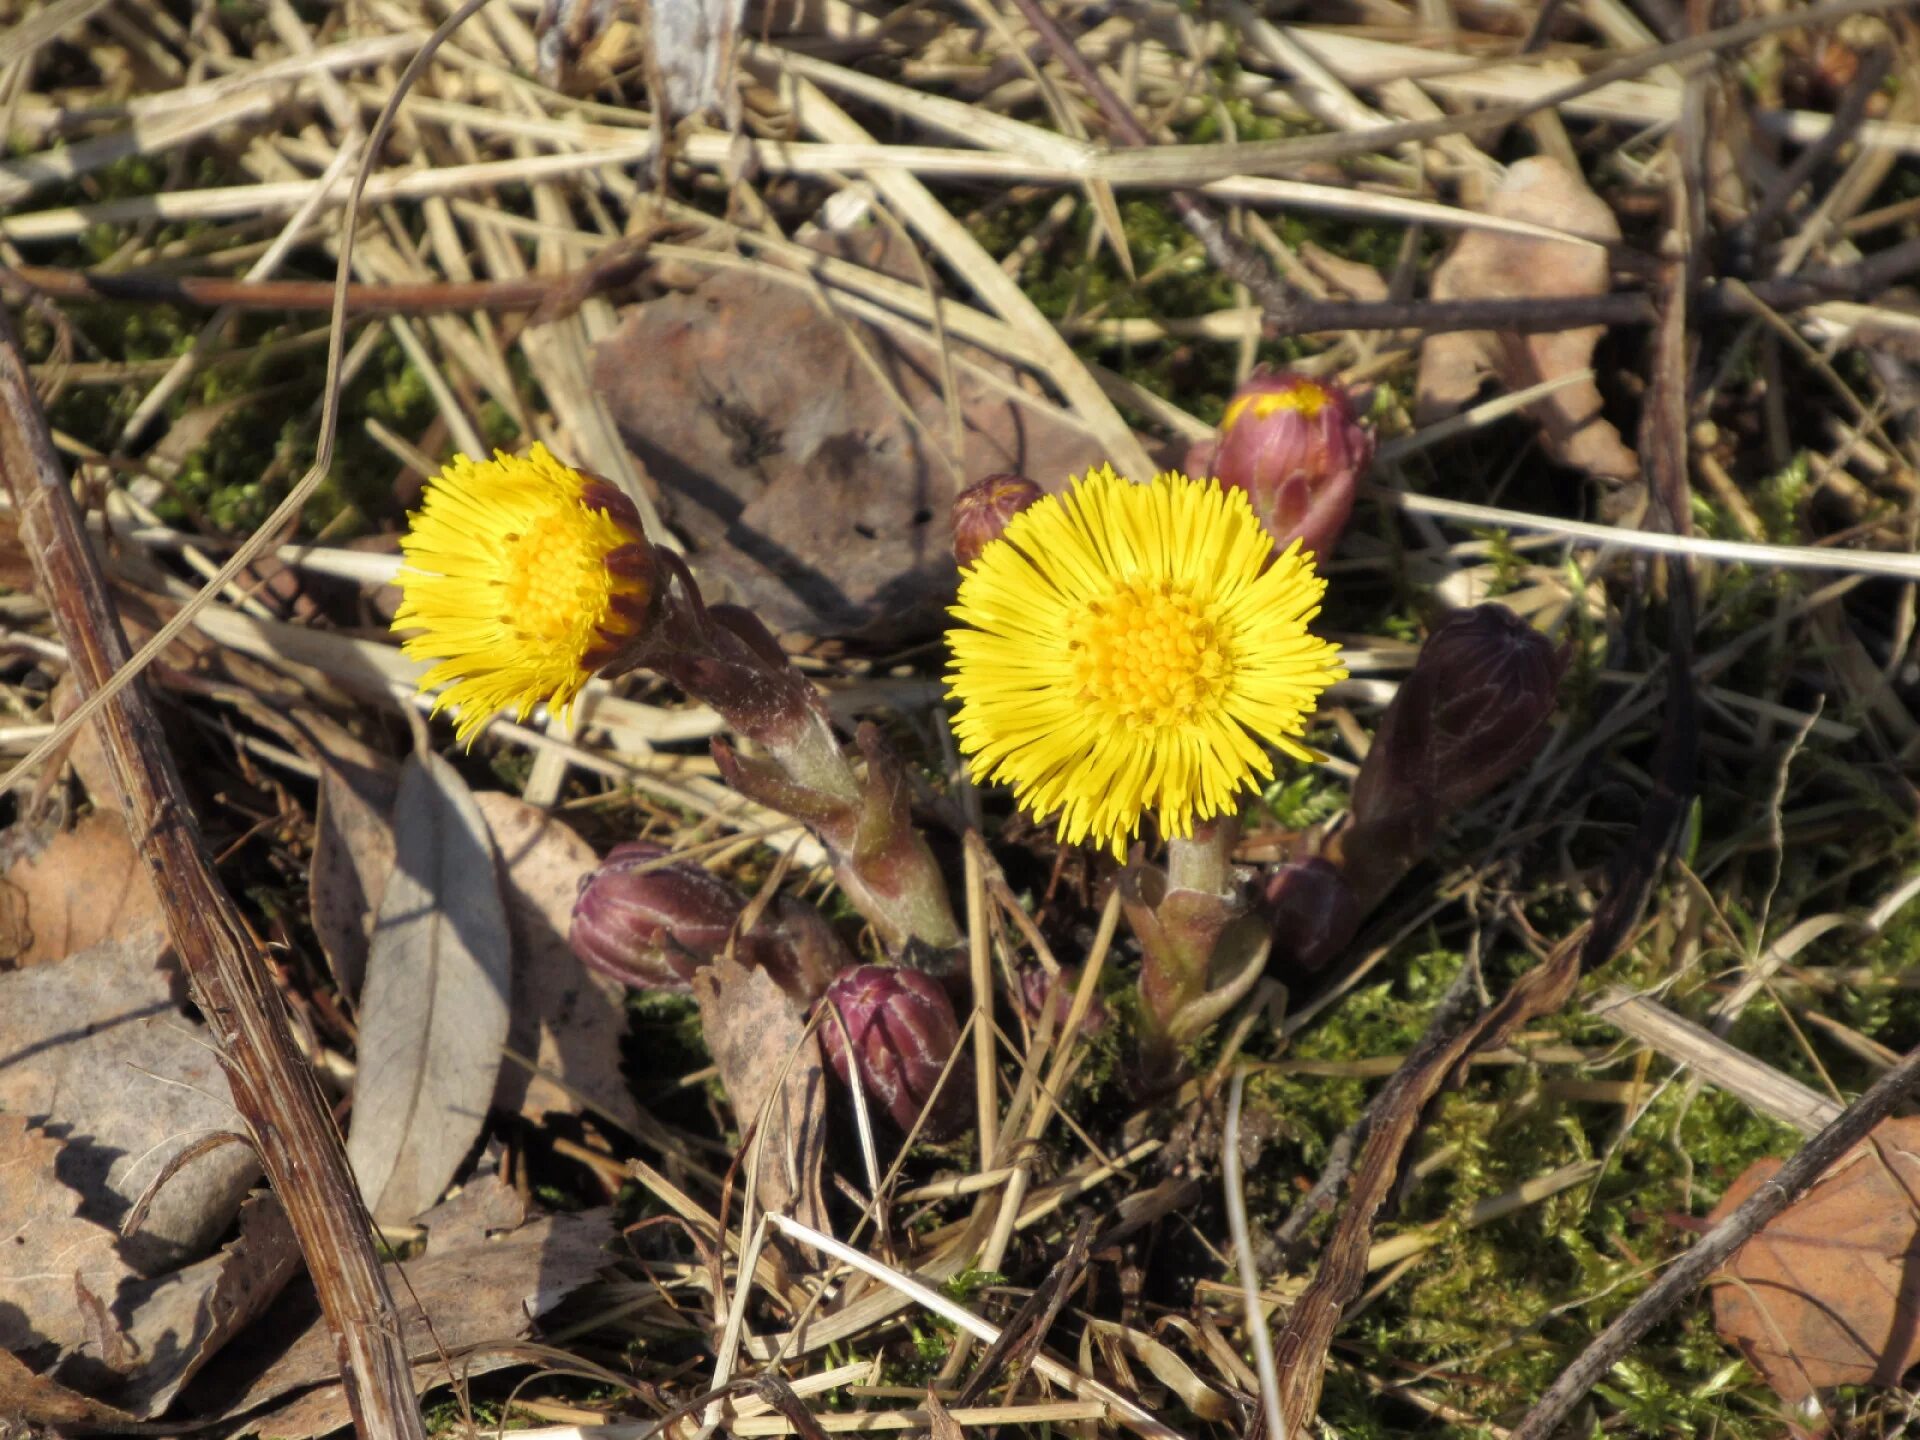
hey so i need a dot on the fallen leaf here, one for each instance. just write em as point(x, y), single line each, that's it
point(1828, 1292)
point(42, 1400)
point(72, 889)
point(484, 1207)
point(433, 1015)
point(96, 1051)
point(806, 493)
point(47, 1248)
point(85, 752)
point(752, 1027)
point(172, 1326)
point(1489, 265)
point(481, 1295)
point(352, 857)
point(567, 1019)
point(693, 44)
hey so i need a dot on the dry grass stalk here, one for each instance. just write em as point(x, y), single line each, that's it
point(273, 1088)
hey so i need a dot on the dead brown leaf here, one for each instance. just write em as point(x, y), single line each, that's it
point(1828, 1293)
point(168, 1328)
point(435, 1011)
point(67, 891)
point(568, 1020)
point(42, 1400)
point(85, 752)
point(352, 858)
point(752, 1027)
point(479, 1297)
point(96, 1051)
point(47, 1248)
point(1487, 265)
point(807, 494)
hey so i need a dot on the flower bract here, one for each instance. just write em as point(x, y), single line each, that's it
point(523, 577)
point(1130, 648)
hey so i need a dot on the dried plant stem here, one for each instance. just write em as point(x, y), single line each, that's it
point(273, 1088)
point(1689, 1272)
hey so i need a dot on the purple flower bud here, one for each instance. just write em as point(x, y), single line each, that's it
point(1294, 445)
point(1314, 913)
point(1041, 991)
point(651, 928)
point(981, 512)
point(903, 1030)
point(1473, 710)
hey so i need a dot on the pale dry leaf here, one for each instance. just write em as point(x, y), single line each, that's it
point(96, 1050)
point(47, 1248)
point(752, 1027)
point(433, 1014)
point(1490, 265)
point(568, 1020)
point(172, 1326)
point(42, 1400)
point(484, 1207)
point(806, 493)
point(484, 1294)
point(352, 857)
point(74, 888)
point(85, 753)
point(1828, 1292)
point(693, 43)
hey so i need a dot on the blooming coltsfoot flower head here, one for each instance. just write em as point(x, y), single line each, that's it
point(1130, 648)
point(523, 577)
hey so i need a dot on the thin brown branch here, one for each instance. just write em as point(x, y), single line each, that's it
point(273, 1089)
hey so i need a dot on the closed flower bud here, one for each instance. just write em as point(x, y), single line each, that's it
point(651, 928)
point(981, 512)
point(1314, 913)
point(903, 1031)
point(1473, 710)
point(1297, 450)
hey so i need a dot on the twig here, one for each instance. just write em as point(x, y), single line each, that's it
point(1808, 1164)
point(273, 1089)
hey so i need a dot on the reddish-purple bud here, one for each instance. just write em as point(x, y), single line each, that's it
point(1297, 449)
point(1473, 710)
point(651, 925)
point(1314, 913)
point(981, 512)
point(903, 1031)
point(1042, 991)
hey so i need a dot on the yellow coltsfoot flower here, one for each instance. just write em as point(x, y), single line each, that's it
point(523, 577)
point(1126, 648)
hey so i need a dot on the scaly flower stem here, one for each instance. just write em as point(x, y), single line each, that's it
point(724, 656)
point(1179, 917)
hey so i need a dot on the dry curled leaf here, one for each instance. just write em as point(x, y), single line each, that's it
point(569, 1021)
point(1828, 1292)
point(68, 891)
point(433, 1015)
point(95, 1050)
point(807, 493)
point(1490, 265)
point(167, 1329)
point(47, 1248)
point(756, 1031)
point(352, 858)
point(482, 1295)
point(42, 1400)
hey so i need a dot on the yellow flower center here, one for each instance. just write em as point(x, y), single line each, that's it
point(1306, 399)
point(1150, 654)
point(555, 585)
